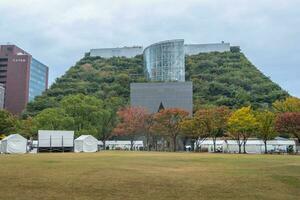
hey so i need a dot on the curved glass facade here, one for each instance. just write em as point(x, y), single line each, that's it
point(164, 61)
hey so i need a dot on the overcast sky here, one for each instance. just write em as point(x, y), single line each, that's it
point(59, 32)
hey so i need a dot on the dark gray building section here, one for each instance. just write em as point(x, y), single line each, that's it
point(169, 94)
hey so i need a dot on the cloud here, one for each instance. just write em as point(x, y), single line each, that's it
point(58, 32)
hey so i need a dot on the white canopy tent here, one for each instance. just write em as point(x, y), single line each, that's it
point(280, 144)
point(253, 145)
point(124, 144)
point(14, 143)
point(208, 145)
point(86, 143)
point(55, 140)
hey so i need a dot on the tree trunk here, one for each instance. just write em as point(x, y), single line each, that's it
point(131, 145)
point(240, 146)
point(104, 146)
point(148, 148)
point(266, 151)
point(174, 144)
point(193, 145)
point(184, 143)
point(155, 143)
point(214, 141)
point(245, 141)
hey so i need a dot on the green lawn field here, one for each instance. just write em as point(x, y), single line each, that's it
point(148, 175)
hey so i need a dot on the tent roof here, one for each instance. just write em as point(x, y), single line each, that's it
point(210, 141)
point(249, 142)
point(260, 142)
point(13, 136)
point(83, 137)
point(124, 142)
point(281, 138)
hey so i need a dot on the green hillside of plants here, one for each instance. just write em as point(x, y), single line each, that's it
point(218, 79)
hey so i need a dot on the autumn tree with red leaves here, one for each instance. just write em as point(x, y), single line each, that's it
point(133, 122)
point(167, 123)
point(289, 122)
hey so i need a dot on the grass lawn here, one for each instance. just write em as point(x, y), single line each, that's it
point(148, 175)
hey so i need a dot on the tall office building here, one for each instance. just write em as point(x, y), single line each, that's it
point(164, 61)
point(2, 90)
point(23, 77)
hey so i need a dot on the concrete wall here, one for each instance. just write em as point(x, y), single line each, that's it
point(127, 52)
point(170, 94)
point(193, 49)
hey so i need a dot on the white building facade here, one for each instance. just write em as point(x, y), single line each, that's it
point(128, 52)
point(194, 49)
point(188, 49)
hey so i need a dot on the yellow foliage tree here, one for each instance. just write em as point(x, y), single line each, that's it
point(266, 126)
point(241, 125)
point(290, 104)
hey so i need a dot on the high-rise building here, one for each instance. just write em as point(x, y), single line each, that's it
point(164, 61)
point(2, 90)
point(23, 77)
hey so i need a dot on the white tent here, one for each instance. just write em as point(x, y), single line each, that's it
point(252, 146)
point(280, 144)
point(208, 145)
point(86, 143)
point(124, 144)
point(55, 140)
point(257, 146)
point(14, 143)
point(230, 146)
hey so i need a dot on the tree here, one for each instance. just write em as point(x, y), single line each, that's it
point(149, 134)
point(266, 126)
point(241, 125)
point(194, 129)
point(167, 123)
point(214, 121)
point(86, 112)
point(28, 128)
point(207, 122)
point(132, 122)
point(8, 123)
point(108, 119)
point(290, 104)
point(53, 119)
point(105, 125)
point(289, 123)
